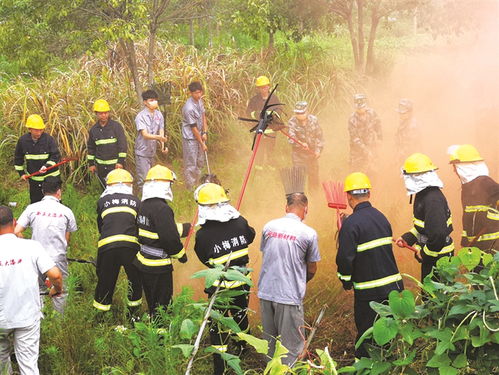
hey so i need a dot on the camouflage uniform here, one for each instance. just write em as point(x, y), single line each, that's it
point(365, 132)
point(406, 137)
point(311, 134)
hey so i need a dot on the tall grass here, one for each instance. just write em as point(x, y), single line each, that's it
point(64, 99)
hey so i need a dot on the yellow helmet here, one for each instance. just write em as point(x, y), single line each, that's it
point(35, 122)
point(356, 181)
point(262, 81)
point(210, 193)
point(465, 154)
point(119, 176)
point(418, 163)
point(101, 106)
point(160, 173)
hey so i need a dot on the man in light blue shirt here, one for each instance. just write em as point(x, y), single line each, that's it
point(194, 135)
point(150, 128)
point(290, 255)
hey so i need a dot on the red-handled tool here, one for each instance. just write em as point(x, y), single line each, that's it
point(63, 161)
point(336, 198)
point(409, 247)
point(299, 143)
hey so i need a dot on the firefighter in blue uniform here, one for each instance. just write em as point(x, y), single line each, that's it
point(117, 210)
point(432, 221)
point(365, 258)
point(224, 234)
point(107, 145)
point(40, 152)
point(159, 238)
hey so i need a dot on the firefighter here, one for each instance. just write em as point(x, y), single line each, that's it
point(365, 258)
point(40, 152)
point(432, 219)
point(253, 109)
point(107, 146)
point(479, 197)
point(159, 238)
point(118, 244)
point(224, 234)
point(406, 136)
point(305, 128)
point(364, 127)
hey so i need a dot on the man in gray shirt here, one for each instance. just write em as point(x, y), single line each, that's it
point(51, 222)
point(290, 255)
point(194, 135)
point(150, 128)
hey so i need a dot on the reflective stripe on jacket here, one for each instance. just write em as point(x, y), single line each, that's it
point(116, 221)
point(365, 257)
point(432, 225)
point(43, 152)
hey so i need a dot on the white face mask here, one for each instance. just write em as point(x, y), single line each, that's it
point(467, 172)
point(414, 183)
point(152, 104)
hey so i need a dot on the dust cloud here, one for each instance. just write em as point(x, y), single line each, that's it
point(454, 86)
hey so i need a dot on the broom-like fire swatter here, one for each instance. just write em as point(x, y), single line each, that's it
point(336, 198)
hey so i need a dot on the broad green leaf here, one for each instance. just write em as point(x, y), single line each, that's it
point(326, 361)
point(439, 361)
point(261, 346)
point(280, 349)
point(382, 309)
point(460, 361)
point(380, 368)
point(384, 330)
point(484, 337)
point(346, 370)
point(361, 339)
point(187, 329)
point(210, 275)
point(410, 333)
point(402, 304)
point(447, 370)
point(470, 257)
point(460, 310)
point(461, 333)
point(232, 360)
point(232, 274)
point(363, 363)
point(185, 348)
point(487, 258)
point(405, 361)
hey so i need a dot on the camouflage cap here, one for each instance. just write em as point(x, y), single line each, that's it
point(405, 105)
point(300, 107)
point(360, 100)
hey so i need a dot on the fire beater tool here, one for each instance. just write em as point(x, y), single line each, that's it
point(336, 198)
point(266, 118)
point(63, 161)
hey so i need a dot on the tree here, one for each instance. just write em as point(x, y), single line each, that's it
point(376, 10)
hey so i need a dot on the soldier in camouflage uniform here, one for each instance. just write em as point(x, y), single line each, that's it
point(405, 138)
point(305, 128)
point(365, 132)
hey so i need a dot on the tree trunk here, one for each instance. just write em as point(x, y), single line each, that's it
point(150, 54)
point(271, 39)
point(360, 33)
point(353, 41)
point(129, 47)
point(191, 32)
point(375, 18)
point(370, 62)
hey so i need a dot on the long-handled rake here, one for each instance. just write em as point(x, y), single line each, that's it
point(336, 198)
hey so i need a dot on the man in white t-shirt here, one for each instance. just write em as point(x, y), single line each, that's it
point(21, 262)
point(290, 255)
point(52, 223)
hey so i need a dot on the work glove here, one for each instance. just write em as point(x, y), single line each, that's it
point(347, 285)
point(183, 258)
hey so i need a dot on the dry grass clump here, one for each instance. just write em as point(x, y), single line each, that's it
point(64, 99)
